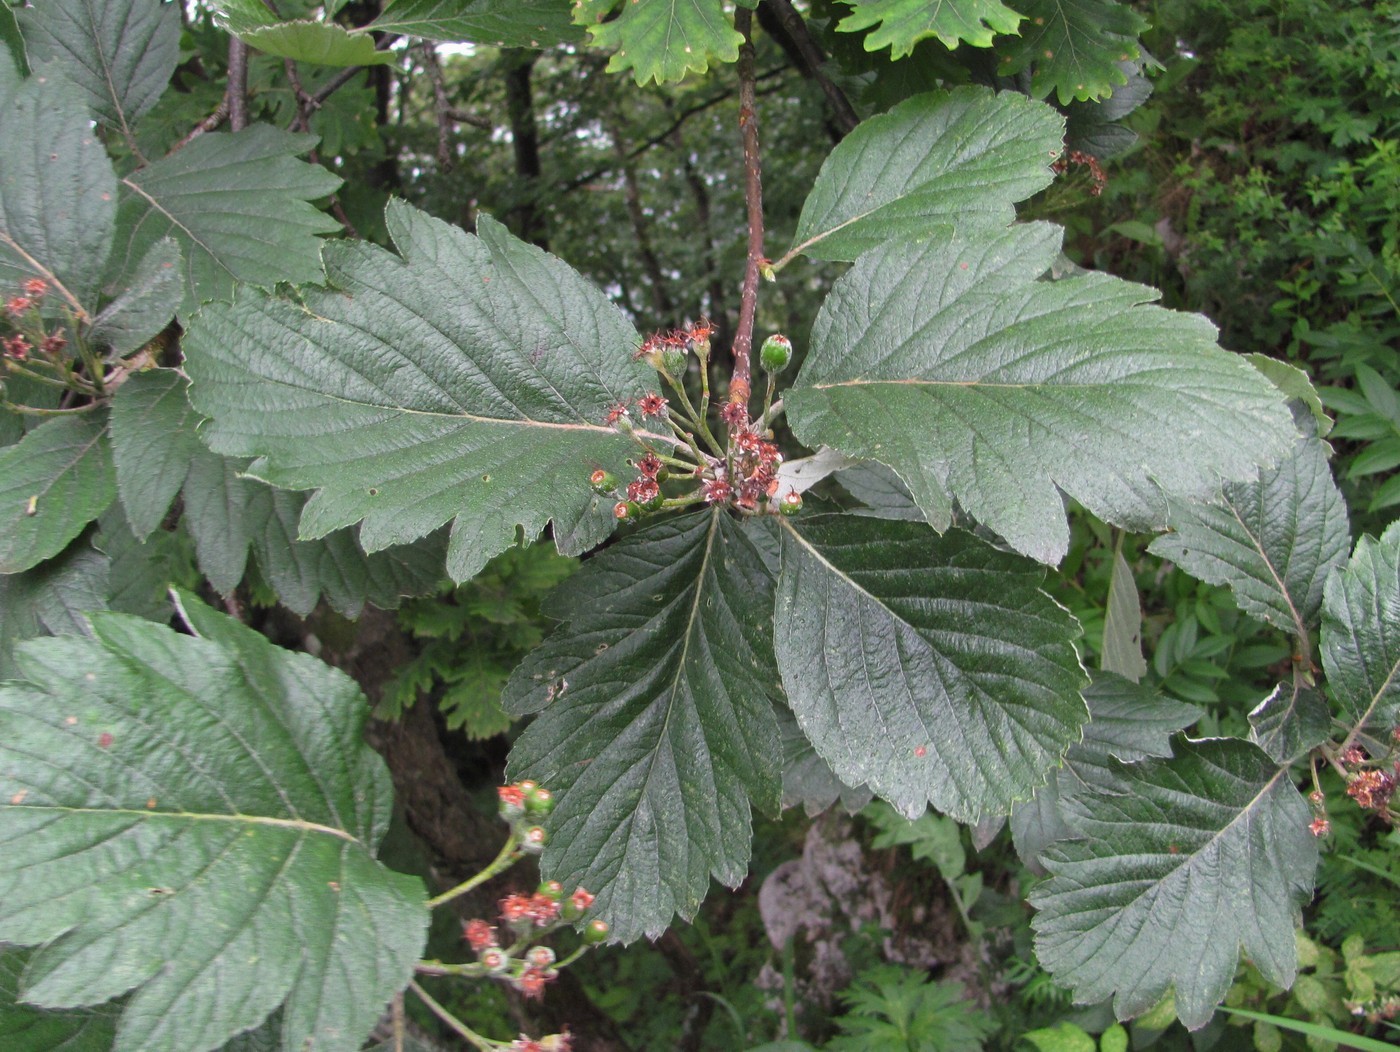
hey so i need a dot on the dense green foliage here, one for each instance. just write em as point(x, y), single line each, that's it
point(309, 317)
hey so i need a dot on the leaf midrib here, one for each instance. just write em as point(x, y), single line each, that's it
point(297, 824)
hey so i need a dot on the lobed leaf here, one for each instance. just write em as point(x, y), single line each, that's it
point(960, 159)
point(501, 23)
point(302, 40)
point(655, 725)
point(1075, 48)
point(903, 23)
point(1274, 541)
point(239, 206)
point(466, 380)
point(1182, 862)
point(1361, 631)
point(53, 482)
point(172, 806)
point(663, 40)
point(931, 668)
point(57, 190)
point(948, 362)
point(120, 53)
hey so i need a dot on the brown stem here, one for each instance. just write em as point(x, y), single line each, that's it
point(793, 34)
point(330, 87)
point(519, 66)
point(302, 121)
point(442, 109)
point(753, 200)
point(237, 94)
point(209, 123)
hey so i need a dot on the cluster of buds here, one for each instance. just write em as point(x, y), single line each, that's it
point(1089, 161)
point(524, 967)
point(524, 805)
point(1371, 782)
point(741, 473)
point(1320, 826)
point(22, 314)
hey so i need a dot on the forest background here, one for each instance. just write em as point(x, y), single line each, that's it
point(1243, 158)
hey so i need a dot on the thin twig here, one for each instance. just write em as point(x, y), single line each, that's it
point(753, 201)
point(237, 94)
point(302, 121)
point(330, 87)
point(441, 108)
point(454, 1024)
point(842, 112)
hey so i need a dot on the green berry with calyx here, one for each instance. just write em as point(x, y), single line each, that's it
point(539, 801)
point(776, 354)
point(627, 511)
point(791, 502)
point(673, 361)
point(595, 931)
point(602, 481)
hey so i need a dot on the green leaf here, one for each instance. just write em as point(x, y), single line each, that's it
point(663, 40)
point(1122, 625)
point(1296, 386)
point(24, 1028)
point(655, 725)
point(467, 380)
point(1127, 722)
point(1361, 631)
point(931, 668)
point(150, 300)
point(1274, 541)
point(50, 599)
point(53, 482)
point(948, 362)
point(1291, 722)
point(906, 22)
point(1344, 1038)
point(1183, 862)
point(1062, 1037)
point(807, 778)
point(215, 803)
point(323, 43)
point(120, 53)
point(153, 441)
point(237, 203)
point(502, 23)
point(937, 161)
point(882, 492)
point(140, 575)
point(1074, 48)
point(58, 203)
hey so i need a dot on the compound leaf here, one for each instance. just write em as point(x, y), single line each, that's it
point(120, 53)
point(57, 192)
point(656, 726)
point(948, 362)
point(237, 203)
point(53, 482)
point(1274, 541)
point(903, 23)
point(465, 380)
point(172, 806)
point(1075, 48)
point(931, 668)
point(1182, 861)
point(663, 40)
point(935, 161)
point(502, 23)
point(1361, 631)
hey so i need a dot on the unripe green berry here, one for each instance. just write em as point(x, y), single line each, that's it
point(776, 354)
point(539, 801)
point(627, 511)
point(673, 361)
point(532, 843)
point(552, 890)
point(791, 502)
point(602, 481)
point(595, 931)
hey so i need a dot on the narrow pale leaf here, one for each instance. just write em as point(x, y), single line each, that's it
point(1181, 864)
point(1291, 722)
point(931, 668)
point(1127, 722)
point(1074, 48)
point(1274, 541)
point(903, 23)
point(501, 23)
point(663, 40)
point(143, 865)
point(1122, 624)
point(24, 1028)
point(1361, 631)
point(53, 482)
point(466, 380)
point(147, 304)
point(237, 203)
point(57, 190)
point(948, 362)
point(120, 53)
point(50, 599)
point(153, 441)
point(959, 159)
point(655, 726)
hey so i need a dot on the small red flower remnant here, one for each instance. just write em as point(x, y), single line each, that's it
point(643, 490)
point(652, 404)
point(104, 740)
point(1320, 827)
point(36, 288)
point(479, 934)
point(526, 1044)
point(17, 347)
point(53, 343)
point(1372, 790)
point(717, 491)
point(515, 908)
point(531, 981)
point(17, 305)
point(1353, 756)
point(735, 414)
point(616, 412)
point(649, 465)
point(581, 899)
point(512, 801)
point(920, 751)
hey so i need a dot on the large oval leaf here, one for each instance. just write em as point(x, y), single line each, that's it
point(172, 808)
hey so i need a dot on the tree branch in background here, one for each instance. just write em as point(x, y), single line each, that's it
point(519, 63)
point(785, 25)
point(660, 299)
point(237, 94)
point(442, 110)
point(753, 201)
